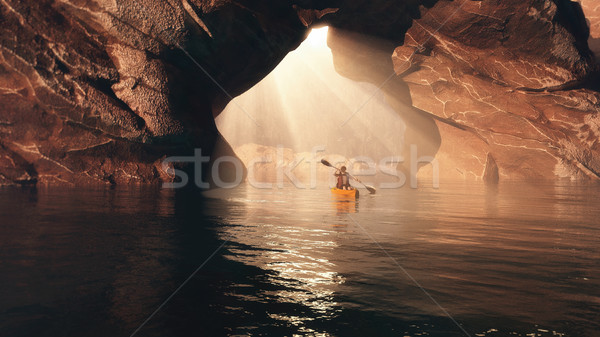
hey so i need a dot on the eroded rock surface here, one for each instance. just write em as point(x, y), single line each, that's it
point(520, 80)
point(591, 8)
point(509, 88)
point(101, 91)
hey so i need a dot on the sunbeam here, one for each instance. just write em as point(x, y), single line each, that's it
point(302, 103)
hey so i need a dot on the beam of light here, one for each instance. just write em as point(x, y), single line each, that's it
point(317, 37)
point(301, 103)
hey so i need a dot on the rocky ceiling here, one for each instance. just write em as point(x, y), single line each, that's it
point(101, 91)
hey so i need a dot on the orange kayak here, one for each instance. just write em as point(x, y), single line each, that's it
point(345, 193)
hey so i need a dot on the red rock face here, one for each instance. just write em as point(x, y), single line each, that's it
point(591, 8)
point(518, 77)
point(102, 91)
point(510, 86)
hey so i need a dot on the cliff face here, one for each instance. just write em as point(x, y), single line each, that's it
point(591, 8)
point(495, 90)
point(518, 77)
point(100, 91)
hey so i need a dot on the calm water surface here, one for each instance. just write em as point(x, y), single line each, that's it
point(511, 260)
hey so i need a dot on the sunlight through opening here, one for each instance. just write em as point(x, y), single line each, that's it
point(317, 37)
point(302, 105)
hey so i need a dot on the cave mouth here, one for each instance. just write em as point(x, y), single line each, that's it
point(305, 110)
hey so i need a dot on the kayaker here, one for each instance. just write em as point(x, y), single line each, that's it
point(343, 179)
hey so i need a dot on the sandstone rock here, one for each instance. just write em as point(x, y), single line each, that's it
point(517, 77)
point(591, 8)
point(102, 91)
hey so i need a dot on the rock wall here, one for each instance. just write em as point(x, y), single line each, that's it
point(101, 91)
point(511, 85)
point(591, 8)
point(526, 94)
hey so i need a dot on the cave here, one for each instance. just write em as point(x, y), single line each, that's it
point(480, 120)
point(102, 96)
point(304, 110)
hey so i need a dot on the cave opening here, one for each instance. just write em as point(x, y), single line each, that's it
point(304, 110)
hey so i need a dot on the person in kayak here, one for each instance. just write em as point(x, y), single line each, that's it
point(343, 179)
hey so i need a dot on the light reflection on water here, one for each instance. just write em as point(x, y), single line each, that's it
point(515, 259)
point(521, 252)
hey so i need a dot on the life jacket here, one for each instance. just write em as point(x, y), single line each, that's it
point(342, 180)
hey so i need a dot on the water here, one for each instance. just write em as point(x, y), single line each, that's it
point(512, 260)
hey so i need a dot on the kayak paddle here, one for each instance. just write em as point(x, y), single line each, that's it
point(371, 189)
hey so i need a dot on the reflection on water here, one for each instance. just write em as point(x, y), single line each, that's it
point(295, 256)
point(502, 261)
point(344, 206)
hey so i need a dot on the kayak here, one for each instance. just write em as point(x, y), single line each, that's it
point(345, 193)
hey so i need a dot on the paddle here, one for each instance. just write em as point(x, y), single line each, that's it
point(371, 189)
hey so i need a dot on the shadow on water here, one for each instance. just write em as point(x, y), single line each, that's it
point(95, 262)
